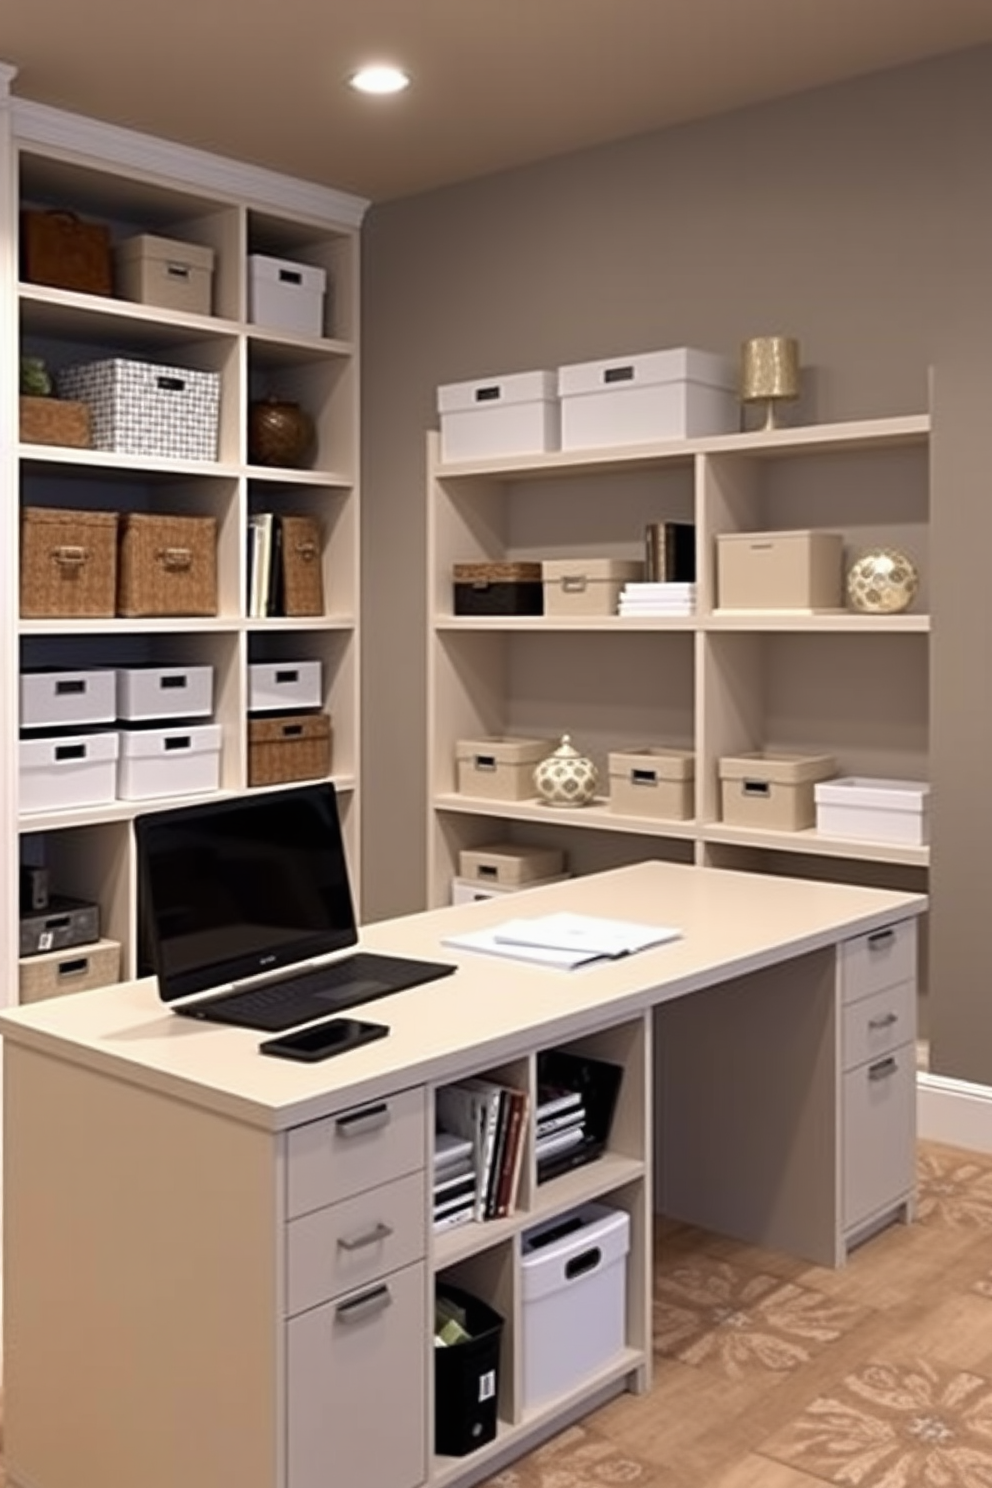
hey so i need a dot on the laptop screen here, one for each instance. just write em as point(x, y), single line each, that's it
point(233, 888)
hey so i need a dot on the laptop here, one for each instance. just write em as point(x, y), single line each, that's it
point(239, 897)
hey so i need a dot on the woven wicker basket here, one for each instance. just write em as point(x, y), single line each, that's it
point(168, 565)
point(54, 421)
point(291, 747)
point(68, 562)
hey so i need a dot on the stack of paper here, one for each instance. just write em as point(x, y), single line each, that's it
point(564, 940)
point(657, 599)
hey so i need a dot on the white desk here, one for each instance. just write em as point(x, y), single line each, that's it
point(180, 1312)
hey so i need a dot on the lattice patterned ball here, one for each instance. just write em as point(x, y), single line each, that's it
point(566, 777)
point(882, 582)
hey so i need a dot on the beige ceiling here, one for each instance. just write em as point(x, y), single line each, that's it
point(496, 83)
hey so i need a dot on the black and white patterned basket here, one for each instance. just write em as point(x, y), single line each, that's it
point(139, 408)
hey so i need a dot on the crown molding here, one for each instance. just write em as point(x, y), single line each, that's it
point(178, 165)
point(7, 75)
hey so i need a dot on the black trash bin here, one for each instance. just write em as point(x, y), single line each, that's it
point(466, 1379)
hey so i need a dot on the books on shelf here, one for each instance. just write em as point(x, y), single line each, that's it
point(581, 1088)
point(482, 1125)
point(657, 599)
point(284, 576)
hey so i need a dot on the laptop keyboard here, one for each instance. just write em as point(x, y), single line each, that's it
point(303, 996)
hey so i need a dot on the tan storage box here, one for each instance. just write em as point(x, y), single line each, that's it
point(774, 791)
point(168, 565)
point(166, 272)
point(501, 768)
point(55, 973)
point(507, 865)
point(68, 563)
point(587, 586)
point(289, 748)
point(652, 782)
point(780, 571)
point(54, 421)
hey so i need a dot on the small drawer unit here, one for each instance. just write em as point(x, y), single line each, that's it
point(284, 686)
point(165, 272)
point(653, 782)
point(71, 770)
point(508, 865)
point(500, 768)
point(882, 958)
point(331, 1159)
point(872, 809)
point(494, 416)
point(772, 791)
point(657, 395)
point(498, 589)
point(801, 571)
point(286, 296)
point(148, 693)
point(52, 699)
point(876, 1025)
point(57, 973)
point(587, 586)
point(879, 1125)
point(574, 1274)
point(168, 761)
point(144, 408)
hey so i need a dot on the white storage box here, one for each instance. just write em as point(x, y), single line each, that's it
point(286, 296)
point(652, 782)
point(574, 1299)
point(168, 762)
point(772, 791)
point(514, 415)
point(142, 408)
point(165, 272)
point(586, 586)
point(658, 395)
point(146, 693)
point(72, 770)
point(273, 685)
point(508, 865)
point(874, 810)
point(500, 768)
point(801, 570)
point(61, 699)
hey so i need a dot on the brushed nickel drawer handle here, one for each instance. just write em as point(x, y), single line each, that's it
point(879, 939)
point(885, 1021)
point(883, 1069)
point(363, 1121)
point(365, 1306)
point(378, 1231)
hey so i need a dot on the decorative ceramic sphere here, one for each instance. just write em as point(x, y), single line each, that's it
point(882, 582)
point(566, 777)
point(279, 432)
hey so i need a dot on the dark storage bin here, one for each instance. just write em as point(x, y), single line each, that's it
point(498, 589)
point(466, 1379)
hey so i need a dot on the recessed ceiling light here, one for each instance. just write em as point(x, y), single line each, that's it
point(380, 79)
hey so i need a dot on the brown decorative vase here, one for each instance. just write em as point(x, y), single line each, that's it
point(279, 433)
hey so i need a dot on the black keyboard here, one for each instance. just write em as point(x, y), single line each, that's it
point(316, 993)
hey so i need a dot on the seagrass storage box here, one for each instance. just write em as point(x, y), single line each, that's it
point(68, 563)
point(302, 570)
point(167, 565)
point(498, 589)
point(652, 782)
point(165, 272)
point(769, 790)
point(500, 768)
point(54, 421)
point(61, 250)
point(56, 973)
point(289, 748)
point(142, 408)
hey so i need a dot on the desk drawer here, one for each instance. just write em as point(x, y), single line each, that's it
point(876, 1024)
point(879, 1134)
point(337, 1249)
point(356, 1150)
point(870, 962)
point(356, 1387)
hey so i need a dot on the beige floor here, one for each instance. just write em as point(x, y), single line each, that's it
point(773, 1374)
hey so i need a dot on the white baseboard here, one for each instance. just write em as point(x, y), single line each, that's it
point(954, 1111)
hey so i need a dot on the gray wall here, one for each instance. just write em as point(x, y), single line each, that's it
point(857, 217)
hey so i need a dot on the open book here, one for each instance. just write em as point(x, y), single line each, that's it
point(564, 940)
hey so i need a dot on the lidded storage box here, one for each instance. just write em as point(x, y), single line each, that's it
point(587, 586)
point(150, 692)
point(68, 563)
point(168, 761)
point(507, 864)
point(780, 570)
point(286, 296)
point(874, 810)
point(501, 768)
point(57, 973)
point(658, 395)
point(513, 415)
point(275, 685)
point(52, 699)
point(71, 770)
point(168, 565)
point(141, 408)
point(774, 791)
point(652, 782)
point(166, 272)
point(498, 589)
point(289, 748)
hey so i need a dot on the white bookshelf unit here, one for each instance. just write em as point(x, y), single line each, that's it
point(134, 184)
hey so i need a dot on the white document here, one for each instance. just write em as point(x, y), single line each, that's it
point(565, 940)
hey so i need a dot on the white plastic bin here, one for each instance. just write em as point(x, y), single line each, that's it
point(275, 685)
point(514, 415)
point(72, 770)
point(874, 810)
point(63, 699)
point(574, 1299)
point(145, 693)
point(674, 394)
point(169, 762)
point(286, 296)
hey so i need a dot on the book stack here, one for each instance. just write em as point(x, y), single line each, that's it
point(492, 1119)
point(454, 1180)
point(657, 599)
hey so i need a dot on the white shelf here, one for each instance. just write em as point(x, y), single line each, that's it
point(596, 816)
point(810, 841)
point(827, 622)
point(125, 811)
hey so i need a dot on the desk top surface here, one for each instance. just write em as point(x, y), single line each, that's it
point(490, 1010)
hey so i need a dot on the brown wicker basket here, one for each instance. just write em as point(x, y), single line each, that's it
point(302, 575)
point(168, 565)
point(68, 562)
point(55, 421)
point(291, 747)
point(58, 248)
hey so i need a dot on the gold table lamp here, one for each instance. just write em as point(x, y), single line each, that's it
point(770, 373)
